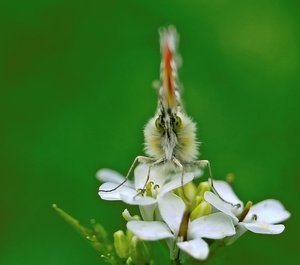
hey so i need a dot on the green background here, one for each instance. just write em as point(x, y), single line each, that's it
point(75, 80)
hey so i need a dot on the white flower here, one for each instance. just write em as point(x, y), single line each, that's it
point(158, 184)
point(172, 209)
point(261, 218)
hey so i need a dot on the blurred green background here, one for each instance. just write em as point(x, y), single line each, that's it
point(75, 80)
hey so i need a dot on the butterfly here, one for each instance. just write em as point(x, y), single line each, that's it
point(170, 135)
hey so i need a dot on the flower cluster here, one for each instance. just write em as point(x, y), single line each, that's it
point(189, 218)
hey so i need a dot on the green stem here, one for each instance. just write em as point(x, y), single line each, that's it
point(175, 262)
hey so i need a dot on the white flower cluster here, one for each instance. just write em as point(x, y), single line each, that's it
point(187, 223)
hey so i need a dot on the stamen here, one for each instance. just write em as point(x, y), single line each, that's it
point(150, 190)
point(140, 192)
point(245, 211)
point(155, 190)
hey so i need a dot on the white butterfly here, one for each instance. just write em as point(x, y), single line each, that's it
point(170, 136)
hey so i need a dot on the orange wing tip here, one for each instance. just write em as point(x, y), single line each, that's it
point(168, 44)
point(168, 78)
point(169, 37)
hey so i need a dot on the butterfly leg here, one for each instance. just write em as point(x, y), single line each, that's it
point(204, 163)
point(177, 163)
point(138, 158)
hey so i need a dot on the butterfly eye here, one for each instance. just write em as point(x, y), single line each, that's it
point(177, 122)
point(159, 124)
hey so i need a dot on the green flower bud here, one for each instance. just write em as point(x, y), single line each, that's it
point(190, 190)
point(100, 232)
point(179, 192)
point(187, 192)
point(140, 251)
point(202, 188)
point(197, 200)
point(129, 261)
point(129, 235)
point(204, 208)
point(229, 178)
point(121, 244)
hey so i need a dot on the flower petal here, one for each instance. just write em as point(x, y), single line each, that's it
point(269, 211)
point(214, 226)
point(127, 216)
point(220, 205)
point(263, 228)
point(109, 175)
point(147, 211)
point(141, 173)
point(176, 183)
point(197, 248)
point(150, 230)
point(116, 194)
point(171, 208)
point(134, 199)
point(226, 192)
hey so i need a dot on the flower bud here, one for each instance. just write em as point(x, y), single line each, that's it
point(100, 232)
point(204, 208)
point(197, 200)
point(179, 192)
point(187, 192)
point(140, 251)
point(129, 261)
point(121, 244)
point(190, 190)
point(202, 188)
point(129, 235)
point(229, 178)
